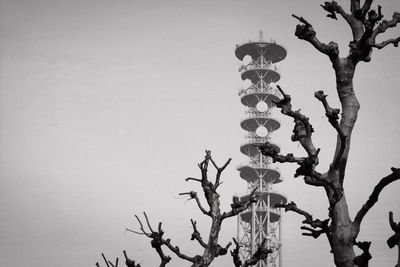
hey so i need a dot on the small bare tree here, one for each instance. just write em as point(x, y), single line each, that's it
point(340, 229)
point(211, 247)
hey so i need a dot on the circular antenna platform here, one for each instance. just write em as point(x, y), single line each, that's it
point(257, 74)
point(274, 197)
point(253, 173)
point(252, 123)
point(273, 216)
point(271, 51)
point(252, 98)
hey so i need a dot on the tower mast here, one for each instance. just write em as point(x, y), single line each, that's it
point(261, 221)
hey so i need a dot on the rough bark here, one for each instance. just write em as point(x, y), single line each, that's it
point(366, 25)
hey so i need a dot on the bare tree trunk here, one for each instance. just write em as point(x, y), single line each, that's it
point(342, 236)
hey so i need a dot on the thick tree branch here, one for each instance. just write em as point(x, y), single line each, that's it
point(315, 224)
point(306, 32)
point(238, 206)
point(373, 198)
point(302, 132)
point(333, 118)
point(303, 129)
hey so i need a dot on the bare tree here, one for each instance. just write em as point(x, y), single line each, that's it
point(394, 240)
point(366, 24)
point(211, 248)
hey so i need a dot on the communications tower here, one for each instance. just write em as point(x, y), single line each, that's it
point(261, 221)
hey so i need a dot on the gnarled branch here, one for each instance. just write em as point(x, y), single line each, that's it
point(306, 32)
point(302, 132)
point(239, 206)
point(333, 118)
point(373, 198)
point(318, 226)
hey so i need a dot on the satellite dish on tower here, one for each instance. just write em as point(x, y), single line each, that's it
point(247, 60)
point(246, 84)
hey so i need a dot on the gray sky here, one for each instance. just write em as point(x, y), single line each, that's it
point(107, 105)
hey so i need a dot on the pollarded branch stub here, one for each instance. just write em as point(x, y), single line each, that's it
point(329, 7)
point(395, 238)
point(395, 226)
point(363, 259)
point(221, 251)
point(304, 31)
point(235, 254)
point(331, 113)
point(334, 8)
point(129, 262)
point(196, 234)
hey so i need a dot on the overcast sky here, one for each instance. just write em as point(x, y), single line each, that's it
point(106, 106)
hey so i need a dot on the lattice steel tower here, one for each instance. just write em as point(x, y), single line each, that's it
point(261, 221)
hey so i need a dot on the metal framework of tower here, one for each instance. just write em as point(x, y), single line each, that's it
point(261, 221)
